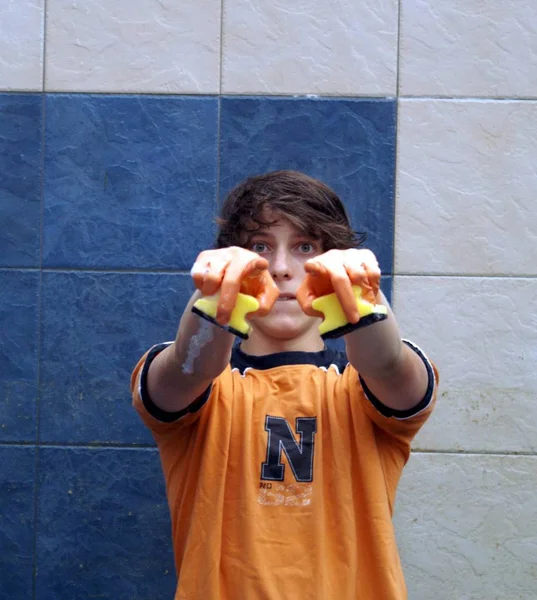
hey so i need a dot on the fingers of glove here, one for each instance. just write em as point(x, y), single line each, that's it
point(305, 296)
point(365, 274)
point(318, 279)
point(358, 276)
point(208, 271)
point(267, 294)
point(343, 288)
point(259, 284)
point(373, 278)
point(255, 268)
point(244, 265)
point(329, 275)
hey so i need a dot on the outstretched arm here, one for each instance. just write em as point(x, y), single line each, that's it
point(392, 371)
point(201, 351)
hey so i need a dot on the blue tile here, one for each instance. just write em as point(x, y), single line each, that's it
point(103, 526)
point(18, 355)
point(17, 474)
point(129, 181)
point(386, 285)
point(95, 327)
point(348, 144)
point(20, 183)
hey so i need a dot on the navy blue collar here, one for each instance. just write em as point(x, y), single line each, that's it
point(324, 358)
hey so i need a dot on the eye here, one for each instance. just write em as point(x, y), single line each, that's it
point(306, 247)
point(258, 247)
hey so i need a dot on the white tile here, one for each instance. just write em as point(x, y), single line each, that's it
point(466, 187)
point(334, 47)
point(482, 334)
point(469, 48)
point(154, 46)
point(21, 45)
point(467, 527)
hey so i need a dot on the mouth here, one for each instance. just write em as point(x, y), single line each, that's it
point(286, 297)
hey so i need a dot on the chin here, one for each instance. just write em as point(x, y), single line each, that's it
point(285, 327)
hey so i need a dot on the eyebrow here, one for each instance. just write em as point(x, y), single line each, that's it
point(266, 234)
point(260, 233)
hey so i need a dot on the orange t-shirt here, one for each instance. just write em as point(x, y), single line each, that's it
point(281, 480)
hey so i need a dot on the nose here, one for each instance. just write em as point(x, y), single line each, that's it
point(280, 265)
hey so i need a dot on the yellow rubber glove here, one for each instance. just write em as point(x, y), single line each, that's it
point(224, 275)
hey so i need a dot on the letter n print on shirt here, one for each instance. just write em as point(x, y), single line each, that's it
point(299, 454)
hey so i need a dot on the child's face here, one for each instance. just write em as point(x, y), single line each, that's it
point(286, 250)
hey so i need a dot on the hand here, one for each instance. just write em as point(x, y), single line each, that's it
point(337, 271)
point(230, 271)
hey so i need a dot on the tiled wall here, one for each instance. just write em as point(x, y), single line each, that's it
point(123, 123)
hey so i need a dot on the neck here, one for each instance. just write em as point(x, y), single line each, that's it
point(259, 345)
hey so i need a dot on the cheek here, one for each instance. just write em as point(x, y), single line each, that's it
point(301, 260)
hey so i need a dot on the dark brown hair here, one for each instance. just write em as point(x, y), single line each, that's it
point(308, 204)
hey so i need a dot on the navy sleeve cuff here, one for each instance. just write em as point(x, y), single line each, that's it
point(386, 411)
point(151, 407)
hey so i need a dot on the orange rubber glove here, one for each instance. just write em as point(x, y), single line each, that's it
point(337, 271)
point(230, 271)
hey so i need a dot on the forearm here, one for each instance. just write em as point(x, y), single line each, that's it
point(393, 372)
point(376, 349)
point(201, 349)
point(184, 370)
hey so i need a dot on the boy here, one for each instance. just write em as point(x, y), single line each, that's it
point(282, 457)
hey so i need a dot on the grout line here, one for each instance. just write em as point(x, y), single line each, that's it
point(284, 96)
point(476, 452)
point(25, 269)
point(21, 91)
point(134, 94)
point(394, 209)
point(119, 446)
point(396, 144)
point(219, 114)
point(121, 271)
point(44, 30)
point(110, 270)
point(36, 508)
point(466, 275)
point(218, 144)
point(242, 94)
point(221, 47)
point(39, 311)
point(398, 60)
point(39, 298)
point(40, 284)
point(472, 98)
point(86, 445)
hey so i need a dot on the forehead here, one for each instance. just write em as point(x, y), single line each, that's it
point(275, 221)
point(282, 228)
